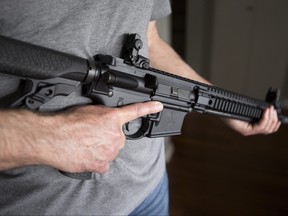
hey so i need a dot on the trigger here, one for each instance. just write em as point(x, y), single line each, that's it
point(136, 129)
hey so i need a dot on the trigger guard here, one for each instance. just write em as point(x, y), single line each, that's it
point(141, 132)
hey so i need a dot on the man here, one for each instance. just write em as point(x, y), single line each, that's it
point(129, 176)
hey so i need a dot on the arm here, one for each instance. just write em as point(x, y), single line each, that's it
point(160, 53)
point(81, 139)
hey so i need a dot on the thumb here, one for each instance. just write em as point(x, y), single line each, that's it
point(134, 111)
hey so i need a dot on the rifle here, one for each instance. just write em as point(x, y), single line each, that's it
point(115, 82)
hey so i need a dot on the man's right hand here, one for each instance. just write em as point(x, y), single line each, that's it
point(82, 139)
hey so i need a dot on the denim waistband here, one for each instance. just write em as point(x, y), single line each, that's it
point(157, 202)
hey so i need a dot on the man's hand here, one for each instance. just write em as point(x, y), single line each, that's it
point(82, 139)
point(268, 124)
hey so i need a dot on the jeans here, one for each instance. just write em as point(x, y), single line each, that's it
point(157, 202)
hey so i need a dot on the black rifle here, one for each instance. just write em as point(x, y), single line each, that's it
point(115, 82)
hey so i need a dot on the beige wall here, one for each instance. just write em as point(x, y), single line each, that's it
point(249, 44)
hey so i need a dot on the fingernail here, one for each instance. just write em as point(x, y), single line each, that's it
point(159, 106)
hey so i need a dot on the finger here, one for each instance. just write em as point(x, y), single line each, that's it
point(102, 168)
point(134, 111)
point(260, 127)
point(277, 126)
point(270, 120)
point(274, 121)
point(110, 152)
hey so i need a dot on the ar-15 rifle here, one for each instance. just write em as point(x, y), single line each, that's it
point(117, 82)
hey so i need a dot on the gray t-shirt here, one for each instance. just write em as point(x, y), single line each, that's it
point(82, 28)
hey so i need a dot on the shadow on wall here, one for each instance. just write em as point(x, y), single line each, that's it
point(285, 90)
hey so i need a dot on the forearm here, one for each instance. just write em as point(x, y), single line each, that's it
point(16, 143)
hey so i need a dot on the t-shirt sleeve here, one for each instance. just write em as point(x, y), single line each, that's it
point(161, 8)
